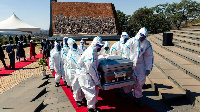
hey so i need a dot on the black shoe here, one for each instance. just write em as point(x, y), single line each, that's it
point(138, 103)
point(94, 110)
point(78, 103)
point(84, 100)
point(65, 83)
point(91, 110)
point(71, 89)
point(57, 85)
point(98, 110)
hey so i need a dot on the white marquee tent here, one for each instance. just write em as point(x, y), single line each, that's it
point(13, 23)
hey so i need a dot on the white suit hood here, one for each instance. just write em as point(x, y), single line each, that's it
point(142, 31)
point(70, 43)
point(97, 40)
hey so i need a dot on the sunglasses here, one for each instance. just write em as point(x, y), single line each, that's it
point(124, 35)
point(98, 45)
point(142, 35)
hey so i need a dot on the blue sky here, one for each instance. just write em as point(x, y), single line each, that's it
point(37, 12)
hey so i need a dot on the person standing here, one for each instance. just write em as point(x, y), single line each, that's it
point(48, 48)
point(29, 37)
point(20, 51)
point(82, 47)
point(64, 52)
point(141, 53)
point(117, 48)
point(25, 40)
point(56, 64)
point(72, 58)
point(11, 54)
point(88, 76)
point(43, 44)
point(32, 49)
point(21, 38)
point(16, 39)
point(2, 56)
point(10, 38)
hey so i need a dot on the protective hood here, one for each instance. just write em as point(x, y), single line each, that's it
point(65, 44)
point(71, 43)
point(142, 32)
point(124, 37)
point(97, 41)
point(58, 47)
point(81, 42)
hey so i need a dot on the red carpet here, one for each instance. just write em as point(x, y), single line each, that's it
point(107, 101)
point(18, 65)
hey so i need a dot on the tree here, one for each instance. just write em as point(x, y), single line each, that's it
point(189, 10)
point(145, 17)
point(123, 21)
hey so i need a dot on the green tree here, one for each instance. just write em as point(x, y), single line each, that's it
point(154, 22)
point(123, 21)
point(189, 10)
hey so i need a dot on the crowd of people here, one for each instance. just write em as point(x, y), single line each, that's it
point(77, 65)
point(20, 52)
point(21, 38)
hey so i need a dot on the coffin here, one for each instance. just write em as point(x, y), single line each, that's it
point(115, 72)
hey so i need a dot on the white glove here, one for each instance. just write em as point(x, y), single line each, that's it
point(52, 70)
point(147, 72)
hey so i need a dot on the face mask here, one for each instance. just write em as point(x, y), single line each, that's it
point(82, 43)
point(142, 38)
point(58, 47)
point(66, 42)
point(106, 48)
point(125, 40)
point(98, 49)
point(75, 46)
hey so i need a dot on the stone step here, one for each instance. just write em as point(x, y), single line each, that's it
point(185, 40)
point(189, 36)
point(187, 47)
point(164, 87)
point(194, 32)
point(184, 54)
point(188, 84)
point(186, 66)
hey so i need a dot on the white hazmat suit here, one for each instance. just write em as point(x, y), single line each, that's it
point(82, 47)
point(141, 53)
point(89, 78)
point(117, 48)
point(64, 52)
point(72, 59)
point(57, 64)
